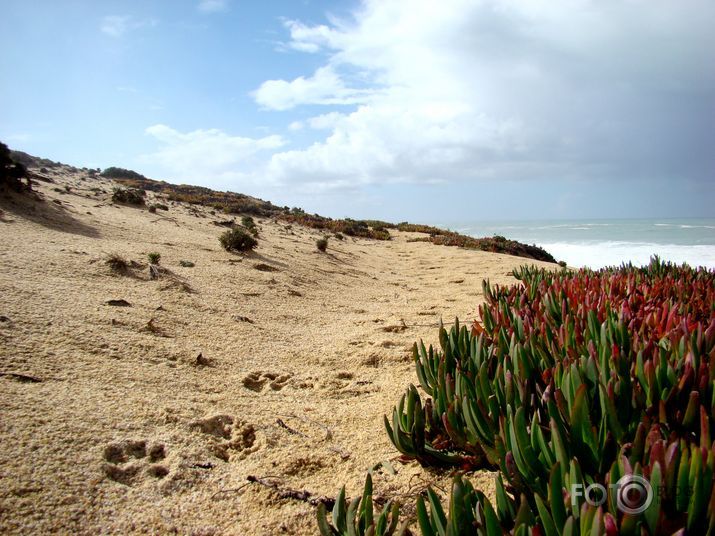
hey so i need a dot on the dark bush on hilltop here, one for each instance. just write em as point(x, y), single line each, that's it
point(571, 380)
point(121, 173)
point(237, 239)
point(32, 161)
point(11, 172)
point(129, 196)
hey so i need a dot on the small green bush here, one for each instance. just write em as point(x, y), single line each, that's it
point(339, 236)
point(154, 257)
point(152, 209)
point(186, 264)
point(129, 196)
point(250, 224)
point(321, 244)
point(237, 240)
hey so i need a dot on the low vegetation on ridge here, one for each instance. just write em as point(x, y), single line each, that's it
point(233, 203)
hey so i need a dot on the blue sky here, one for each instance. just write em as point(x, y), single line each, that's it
point(434, 112)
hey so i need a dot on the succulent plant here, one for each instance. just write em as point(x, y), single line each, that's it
point(576, 378)
point(357, 518)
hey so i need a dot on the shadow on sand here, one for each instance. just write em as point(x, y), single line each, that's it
point(31, 206)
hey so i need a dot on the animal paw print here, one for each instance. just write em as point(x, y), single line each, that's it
point(128, 461)
point(231, 437)
point(256, 381)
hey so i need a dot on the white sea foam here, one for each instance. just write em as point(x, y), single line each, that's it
point(599, 254)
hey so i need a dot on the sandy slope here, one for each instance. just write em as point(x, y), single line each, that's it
point(125, 433)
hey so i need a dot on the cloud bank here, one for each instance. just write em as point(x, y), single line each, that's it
point(504, 90)
point(207, 156)
point(487, 90)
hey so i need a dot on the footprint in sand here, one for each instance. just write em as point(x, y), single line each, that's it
point(256, 381)
point(126, 461)
point(230, 437)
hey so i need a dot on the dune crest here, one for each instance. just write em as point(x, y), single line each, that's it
point(143, 402)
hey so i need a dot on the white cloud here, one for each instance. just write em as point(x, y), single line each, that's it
point(324, 87)
point(311, 38)
point(204, 156)
point(118, 25)
point(114, 25)
point(501, 89)
point(212, 6)
point(325, 121)
point(17, 137)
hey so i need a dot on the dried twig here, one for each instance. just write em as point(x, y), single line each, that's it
point(289, 493)
point(328, 431)
point(290, 430)
point(344, 454)
point(283, 493)
point(24, 378)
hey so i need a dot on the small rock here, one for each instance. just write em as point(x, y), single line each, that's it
point(262, 267)
point(119, 303)
point(201, 361)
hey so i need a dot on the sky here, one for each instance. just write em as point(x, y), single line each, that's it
point(399, 110)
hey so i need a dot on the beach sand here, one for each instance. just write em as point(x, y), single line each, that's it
point(110, 424)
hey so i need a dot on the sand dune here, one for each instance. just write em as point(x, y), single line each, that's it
point(109, 422)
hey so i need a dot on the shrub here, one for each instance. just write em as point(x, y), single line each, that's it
point(161, 206)
point(237, 240)
point(154, 257)
point(130, 196)
point(152, 209)
point(121, 173)
point(321, 244)
point(11, 171)
point(186, 264)
point(339, 236)
point(250, 225)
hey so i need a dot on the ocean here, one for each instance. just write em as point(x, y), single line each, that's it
point(599, 243)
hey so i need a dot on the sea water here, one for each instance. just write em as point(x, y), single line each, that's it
point(598, 243)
